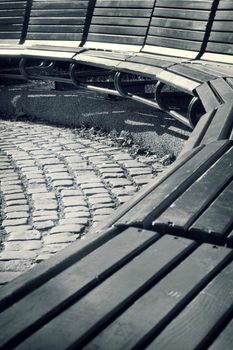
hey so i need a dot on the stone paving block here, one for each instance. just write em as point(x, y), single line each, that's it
point(103, 205)
point(16, 202)
point(38, 219)
point(14, 222)
point(142, 180)
point(44, 195)
point(55, 169)
point(132, 164)
point(14, 196)
point(109, 176)
point(14, 208)
point(119, 182)
point(55, 247)
point(121, 157)
point(7, 255)
point(45, 213)
point(10, 182)
point(42, 257)
point(6, 277)
point(93, 191)
point(45, 204)
point(24, 235)
point(9, 189)
point(97, 200)
point(17, 215)
point(60, 176)
point(60, 238)
point(16, 265)
point(67, 228)
point(73, 201)
point(23, 245)
point(121, 191)
point(92, 185)
point(76, 209)
point(62, 183)
point(143, 171)
point(74, 221)
point(71, 192)
point(77, 214)
point(44, 225)
point(37, 189)
point(87, 179)
point(104, 211)
point(49, 161)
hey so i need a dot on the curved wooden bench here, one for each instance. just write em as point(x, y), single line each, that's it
point(158, 274)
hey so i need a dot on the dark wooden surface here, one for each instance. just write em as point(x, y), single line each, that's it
point(120, 22)
point(11, 19)
point(54, 20)
point(145, 212)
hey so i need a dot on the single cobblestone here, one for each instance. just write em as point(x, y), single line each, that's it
point(56, 185)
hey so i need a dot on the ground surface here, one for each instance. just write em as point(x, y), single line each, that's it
point(57, 183)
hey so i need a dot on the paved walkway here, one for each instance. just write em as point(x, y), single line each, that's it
point(55, 185)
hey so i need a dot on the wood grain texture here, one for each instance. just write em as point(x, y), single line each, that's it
point(158, 306)
point(191, 203)
point(112, 297)
point(200, 318)
point(164, 195)
point(71, 284)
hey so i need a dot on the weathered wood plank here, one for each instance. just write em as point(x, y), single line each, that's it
point(112, 296)
point(161, 303)
point(199, 320)
point(71, 284)
point(191, 203)
point(195, 139)
point(221, 125)
point(217, 219)
point(164, 195)
point(225, 339)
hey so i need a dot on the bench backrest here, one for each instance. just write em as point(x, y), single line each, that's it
point(178, 27)
point(57, 22)
point(11, 20)
point(220, 43)
point(120, 24)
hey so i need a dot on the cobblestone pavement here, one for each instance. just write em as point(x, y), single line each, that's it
point(56, 185)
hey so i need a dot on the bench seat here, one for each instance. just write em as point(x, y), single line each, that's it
point(135, 301)
point(187, 195)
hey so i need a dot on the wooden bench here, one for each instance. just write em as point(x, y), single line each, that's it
point(158, 274)
point(109, 294)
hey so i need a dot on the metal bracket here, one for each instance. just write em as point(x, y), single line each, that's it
point(191, 113)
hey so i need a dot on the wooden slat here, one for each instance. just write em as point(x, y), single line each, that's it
point(208, 98)
point(221, 125)
point(191, 203)
point(72, 283)
point(162, 302)
point(223, 89)
point(191, 72)
point(225, 339)
point(200, 5)
point(55, 20)
point(217, 218)
point(193, 326)
point(28, 281)
point(11, 19)
point(164, 195)
point(195, 139)
point(112, 296)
